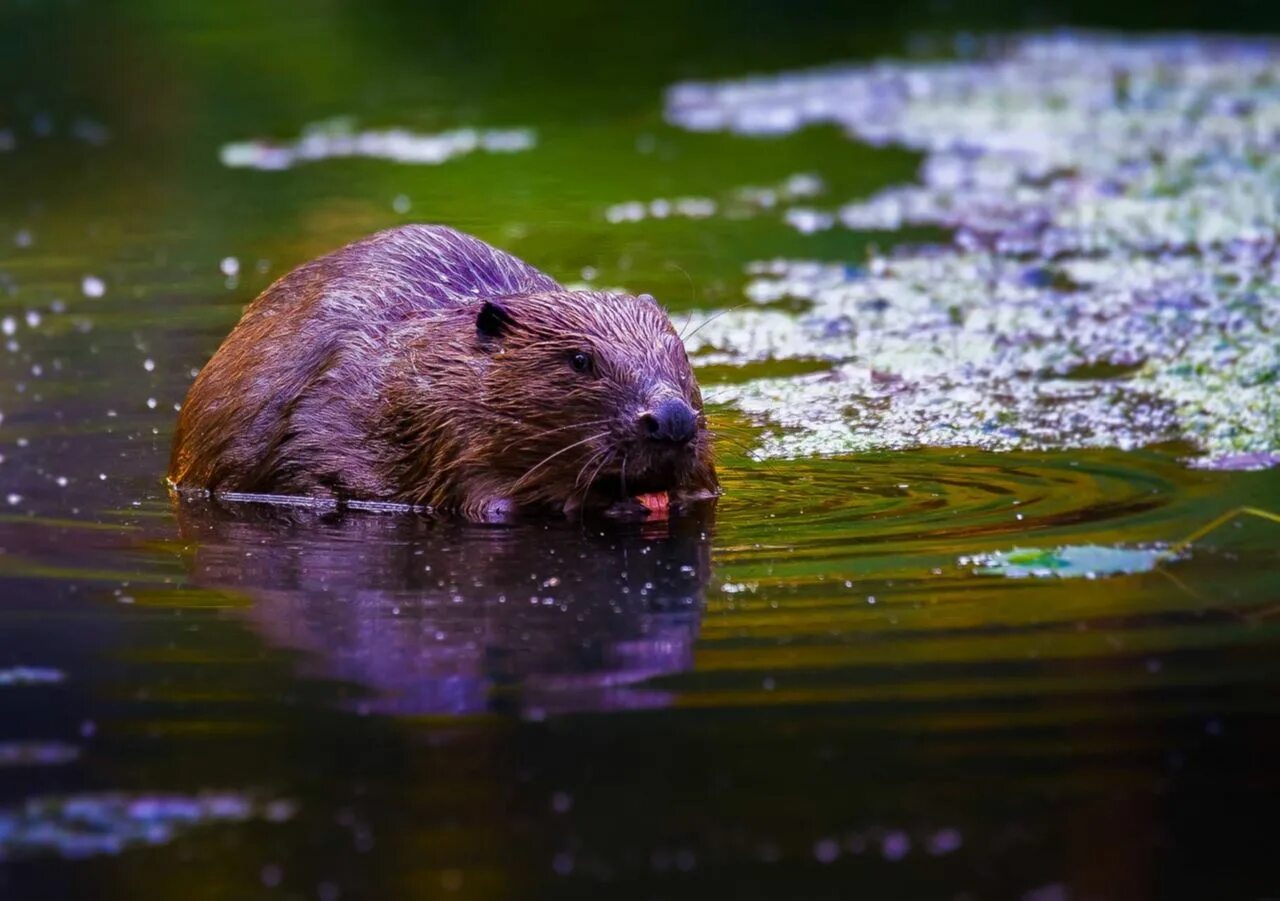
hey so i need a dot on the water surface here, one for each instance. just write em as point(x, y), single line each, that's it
point(880, 670)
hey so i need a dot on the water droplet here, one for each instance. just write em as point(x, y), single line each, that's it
point(895, 846)
point(92, 286)
point(944, 841)
point(826, 850)
point(272, 875)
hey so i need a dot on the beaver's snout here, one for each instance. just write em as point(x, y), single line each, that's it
point(672, 422)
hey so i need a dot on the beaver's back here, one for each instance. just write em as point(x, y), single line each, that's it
point(401, 271)
point(284, 403)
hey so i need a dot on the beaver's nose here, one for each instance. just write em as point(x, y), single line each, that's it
point(672, 422)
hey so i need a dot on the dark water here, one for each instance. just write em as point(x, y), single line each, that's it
point(812, 690)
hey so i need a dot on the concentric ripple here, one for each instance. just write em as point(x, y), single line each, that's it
point(935, 500)
point(858, 584)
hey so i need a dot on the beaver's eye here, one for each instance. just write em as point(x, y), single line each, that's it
point(580, 361)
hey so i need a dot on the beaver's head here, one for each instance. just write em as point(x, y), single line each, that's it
point(590, 400)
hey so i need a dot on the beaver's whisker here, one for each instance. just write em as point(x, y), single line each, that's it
point(525, 439)
point(721, 436)
point(693, 295)
point(713, 317)
point(747, 451)
point(726, 427)
point(693, 288)
point(687, 320)
point(596, 474)
point(552, 456)
point(710, 396)
point(587, 465)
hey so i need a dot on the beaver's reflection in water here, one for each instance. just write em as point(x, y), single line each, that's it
point(436, 617)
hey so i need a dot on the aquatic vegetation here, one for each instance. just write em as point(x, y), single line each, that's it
point(1112, 277)
point(1081, 561)
point(338, 138)
point(1222, 519)
point(742, 203)
point(30, 675)
point(36, 753)
point(88, 825)
point(42, 127)
point(1092, 561)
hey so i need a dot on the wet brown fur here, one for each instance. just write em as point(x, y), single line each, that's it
point(364, 374)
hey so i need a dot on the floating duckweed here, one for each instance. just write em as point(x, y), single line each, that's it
point(742, 203)
point(1112, 280)
point(30, 675)
point(338, 138)
point(89, 825)
point(36, 753)
point(1080, 561)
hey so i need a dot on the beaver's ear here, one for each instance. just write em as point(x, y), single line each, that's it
point(494, 320)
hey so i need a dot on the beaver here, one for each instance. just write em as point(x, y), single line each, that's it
point(424, 366)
